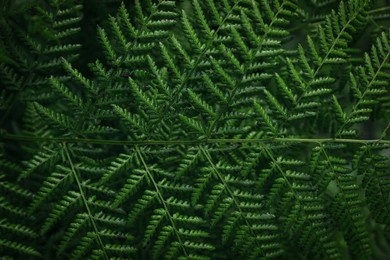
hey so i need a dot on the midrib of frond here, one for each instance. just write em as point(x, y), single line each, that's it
point(231, 194)
point(281, 171)
point(163, 202)
point(85, 202)
point(29, 138)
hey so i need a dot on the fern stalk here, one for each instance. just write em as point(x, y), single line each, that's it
point(191, 142)
point(162, 200)
point(85, 201)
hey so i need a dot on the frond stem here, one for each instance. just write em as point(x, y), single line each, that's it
point(231, 194)
point(269, 154)
point(162, 200)
point(387, 8)
point(85, 202)
point(29, 138)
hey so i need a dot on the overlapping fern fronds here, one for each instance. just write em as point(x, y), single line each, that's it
point(210, 130)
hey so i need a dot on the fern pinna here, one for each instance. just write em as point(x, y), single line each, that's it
point(232, 129)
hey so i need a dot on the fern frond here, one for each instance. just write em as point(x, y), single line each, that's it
point(59, 120)
point(20, 248)
point(202, 130)
point(121, 163)
point(368, 83)
point(74, 228)
point(53, 182)
point(36, 52)
point(45, 159)
point(69, 200)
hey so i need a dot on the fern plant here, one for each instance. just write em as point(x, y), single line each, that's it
point(232, 129)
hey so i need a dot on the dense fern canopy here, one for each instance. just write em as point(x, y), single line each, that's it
point(194, 129)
